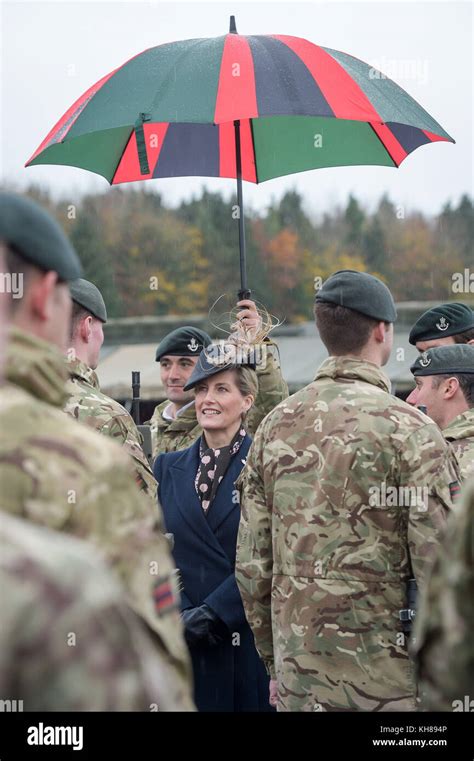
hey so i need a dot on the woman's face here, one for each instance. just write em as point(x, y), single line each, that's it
point(219, 403)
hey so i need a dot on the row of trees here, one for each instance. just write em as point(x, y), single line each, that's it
point(150, 259)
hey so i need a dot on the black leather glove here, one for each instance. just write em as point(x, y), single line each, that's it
point(202, 626)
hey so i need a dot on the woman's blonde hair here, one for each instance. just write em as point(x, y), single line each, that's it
point(247, 382)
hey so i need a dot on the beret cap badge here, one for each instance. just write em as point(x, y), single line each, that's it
point(193, 345)
point(443, 324)
point(425, 360)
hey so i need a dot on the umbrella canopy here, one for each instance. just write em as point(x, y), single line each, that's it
point(169, 112)
point(249, 107)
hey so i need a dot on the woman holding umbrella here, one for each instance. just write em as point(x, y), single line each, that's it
point(201, 509)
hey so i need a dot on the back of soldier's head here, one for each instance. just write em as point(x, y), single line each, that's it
point(348, 307)
point(88, 316)
point(39, 261)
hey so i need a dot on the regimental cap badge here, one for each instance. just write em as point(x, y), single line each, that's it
point(193, 345)
point(443, 324)
point(425, 360)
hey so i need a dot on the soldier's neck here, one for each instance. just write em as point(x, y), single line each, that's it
point(76, 351)
point(367, 354)
point(173, 408)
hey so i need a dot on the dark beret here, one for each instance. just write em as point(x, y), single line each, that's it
point(37, 236)
point(183, 342)
point(445, 360)
point(217, 358)
point(87, 295)
point(443, 320)
point(361, 292)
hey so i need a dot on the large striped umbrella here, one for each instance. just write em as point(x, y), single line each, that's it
point(248, 107)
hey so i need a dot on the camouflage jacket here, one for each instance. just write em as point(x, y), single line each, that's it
point(460, 432)
point(345, 491)
point(88, 404)
point(180, 433)
point(68, 640)
point(443, 643)
point(59, 473)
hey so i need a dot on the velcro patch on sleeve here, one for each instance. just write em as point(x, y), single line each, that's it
point(454, 489)
point(163, 595)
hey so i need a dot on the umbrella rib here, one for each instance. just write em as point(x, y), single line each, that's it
point(381, 141)
point(253, 148)
point(122, 154)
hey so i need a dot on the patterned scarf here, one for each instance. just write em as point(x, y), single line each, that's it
point(213, 466)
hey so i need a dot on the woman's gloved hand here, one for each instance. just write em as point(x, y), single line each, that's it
point(202, 626)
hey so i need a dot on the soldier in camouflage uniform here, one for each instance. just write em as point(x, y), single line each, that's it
point(68, 640)
point(344, 494)
point(443, 639)
point(87, 403)
point(444, 379)
point(57, 472)
point(174, 423)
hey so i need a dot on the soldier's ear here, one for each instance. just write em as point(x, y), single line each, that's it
point(450, 387)
point(42, 299)
point(86, 329)
point(380, 332)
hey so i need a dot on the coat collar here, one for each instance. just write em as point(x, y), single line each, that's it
point(462, 427)
point(80, 371)
point(184, 422)
point(182, 473)
point(353, 369)
point(37, 367)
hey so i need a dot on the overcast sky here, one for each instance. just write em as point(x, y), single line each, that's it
point(52, 52)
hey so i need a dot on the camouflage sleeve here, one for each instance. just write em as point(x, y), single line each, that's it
point(122, 428)
point(253, 570)
point(429, 465)
point(443, 645)
point(68, 640)
point(272, 389)
point(131, 536)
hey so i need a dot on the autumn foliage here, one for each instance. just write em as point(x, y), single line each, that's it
point(150, 259)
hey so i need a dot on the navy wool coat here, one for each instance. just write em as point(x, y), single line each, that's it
point(229, 676)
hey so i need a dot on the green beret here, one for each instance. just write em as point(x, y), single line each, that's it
point(443, 320)
point(87, 295)
point(216, 358)
point(361, 292)
point(37, 236)
point(445, 360)
point(183, 342)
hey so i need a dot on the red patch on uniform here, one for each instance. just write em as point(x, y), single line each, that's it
point(454, 489)
point(163, 595)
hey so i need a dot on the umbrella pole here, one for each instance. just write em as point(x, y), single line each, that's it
point(244, 292)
